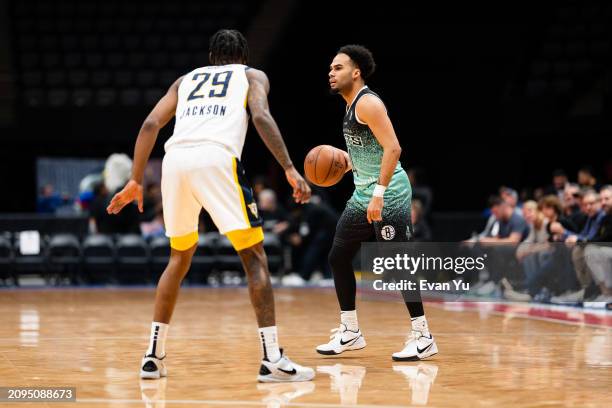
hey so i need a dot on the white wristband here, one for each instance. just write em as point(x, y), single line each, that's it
point(379, 190)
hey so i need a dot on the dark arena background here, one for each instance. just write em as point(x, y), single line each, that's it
point(503, 112)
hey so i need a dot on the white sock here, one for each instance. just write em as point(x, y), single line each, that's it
point(269, 343)
point(349, 319)
point(420, 324)
point(157, 342)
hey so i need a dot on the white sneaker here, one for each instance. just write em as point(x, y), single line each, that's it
point(152, 368)
point(511, 294)
point(315, 277)
point(342, 339)
point(284, 370)
point(293, 280)
point(417, 347)
point(570, 297)
point(600, 302)
point(487, 289)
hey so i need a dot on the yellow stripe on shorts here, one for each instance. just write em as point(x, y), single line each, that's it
point(184, 242)
point(245, 238)
point(240, 194)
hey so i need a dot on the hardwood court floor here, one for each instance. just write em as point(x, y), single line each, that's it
point(93, 339)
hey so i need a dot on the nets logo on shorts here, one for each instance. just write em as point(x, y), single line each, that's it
point(387, 232)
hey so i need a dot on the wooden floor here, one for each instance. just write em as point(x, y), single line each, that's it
point(93, 339)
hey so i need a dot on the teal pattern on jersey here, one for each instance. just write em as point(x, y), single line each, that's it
point(366, 157)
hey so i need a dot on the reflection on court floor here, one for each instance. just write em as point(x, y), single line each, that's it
point(493, 355)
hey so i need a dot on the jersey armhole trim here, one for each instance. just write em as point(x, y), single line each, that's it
point(376, 96)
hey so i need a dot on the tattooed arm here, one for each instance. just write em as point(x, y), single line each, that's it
point(268, 130)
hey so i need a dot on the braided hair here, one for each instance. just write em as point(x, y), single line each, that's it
point(228, 47)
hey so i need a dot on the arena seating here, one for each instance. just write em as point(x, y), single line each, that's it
point(99, 53)
point(125, 259)
point(570, 59)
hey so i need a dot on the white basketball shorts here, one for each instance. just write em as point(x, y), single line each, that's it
point(207, 176)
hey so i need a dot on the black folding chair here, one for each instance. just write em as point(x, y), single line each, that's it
point(132, 259)
point(64, 257)
point(98, 259)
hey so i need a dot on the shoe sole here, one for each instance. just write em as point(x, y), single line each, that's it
point(267, 379)
point(155, 375)
point(334, 353)
point(413, 358)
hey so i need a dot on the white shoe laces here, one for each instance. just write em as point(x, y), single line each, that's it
point(413, 335)
point(337, 331)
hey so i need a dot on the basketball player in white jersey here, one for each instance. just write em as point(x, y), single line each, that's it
point(201, 168)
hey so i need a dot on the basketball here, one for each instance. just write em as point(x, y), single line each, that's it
point(325, 165)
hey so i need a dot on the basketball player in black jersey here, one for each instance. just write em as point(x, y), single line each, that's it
point(379, 206)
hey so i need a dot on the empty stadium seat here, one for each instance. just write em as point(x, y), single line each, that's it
point(132, 259)
point(6, 257)
point(64, 256)
point(227, 258)
point(274, 252)
point(105, 97)
point(205, 258)
point(30, 264)
point(98, 259)
point(89, 38)
point(160, 254)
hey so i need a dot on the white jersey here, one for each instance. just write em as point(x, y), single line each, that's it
point(212, 108)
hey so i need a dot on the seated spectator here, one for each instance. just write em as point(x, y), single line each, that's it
point(572, 200)
point(500, 241)
point(50, 201)
point(598, 254)
point(116, 173)
point(151, 201)
point(538, 194)
point(552, 209)
point(559, 181)
point(534, 254)
point(594, 213)
point(259, 184)
point(313, 226)
point(492, 225)
point(536, 221)
point(155, 226)
point(275, 218)
point(512, 227)
point(420, 228)
point(587, 179)
point(595, 216)
point(510, 196)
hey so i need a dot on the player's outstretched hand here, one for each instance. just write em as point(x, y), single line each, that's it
point(301, 189)
point(375, 209)
point(132, 191)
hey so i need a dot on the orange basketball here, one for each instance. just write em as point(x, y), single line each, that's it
point(325, 165)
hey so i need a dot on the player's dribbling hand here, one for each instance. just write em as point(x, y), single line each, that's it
point(132, 191)
point(301, 189)
point(375, 209)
